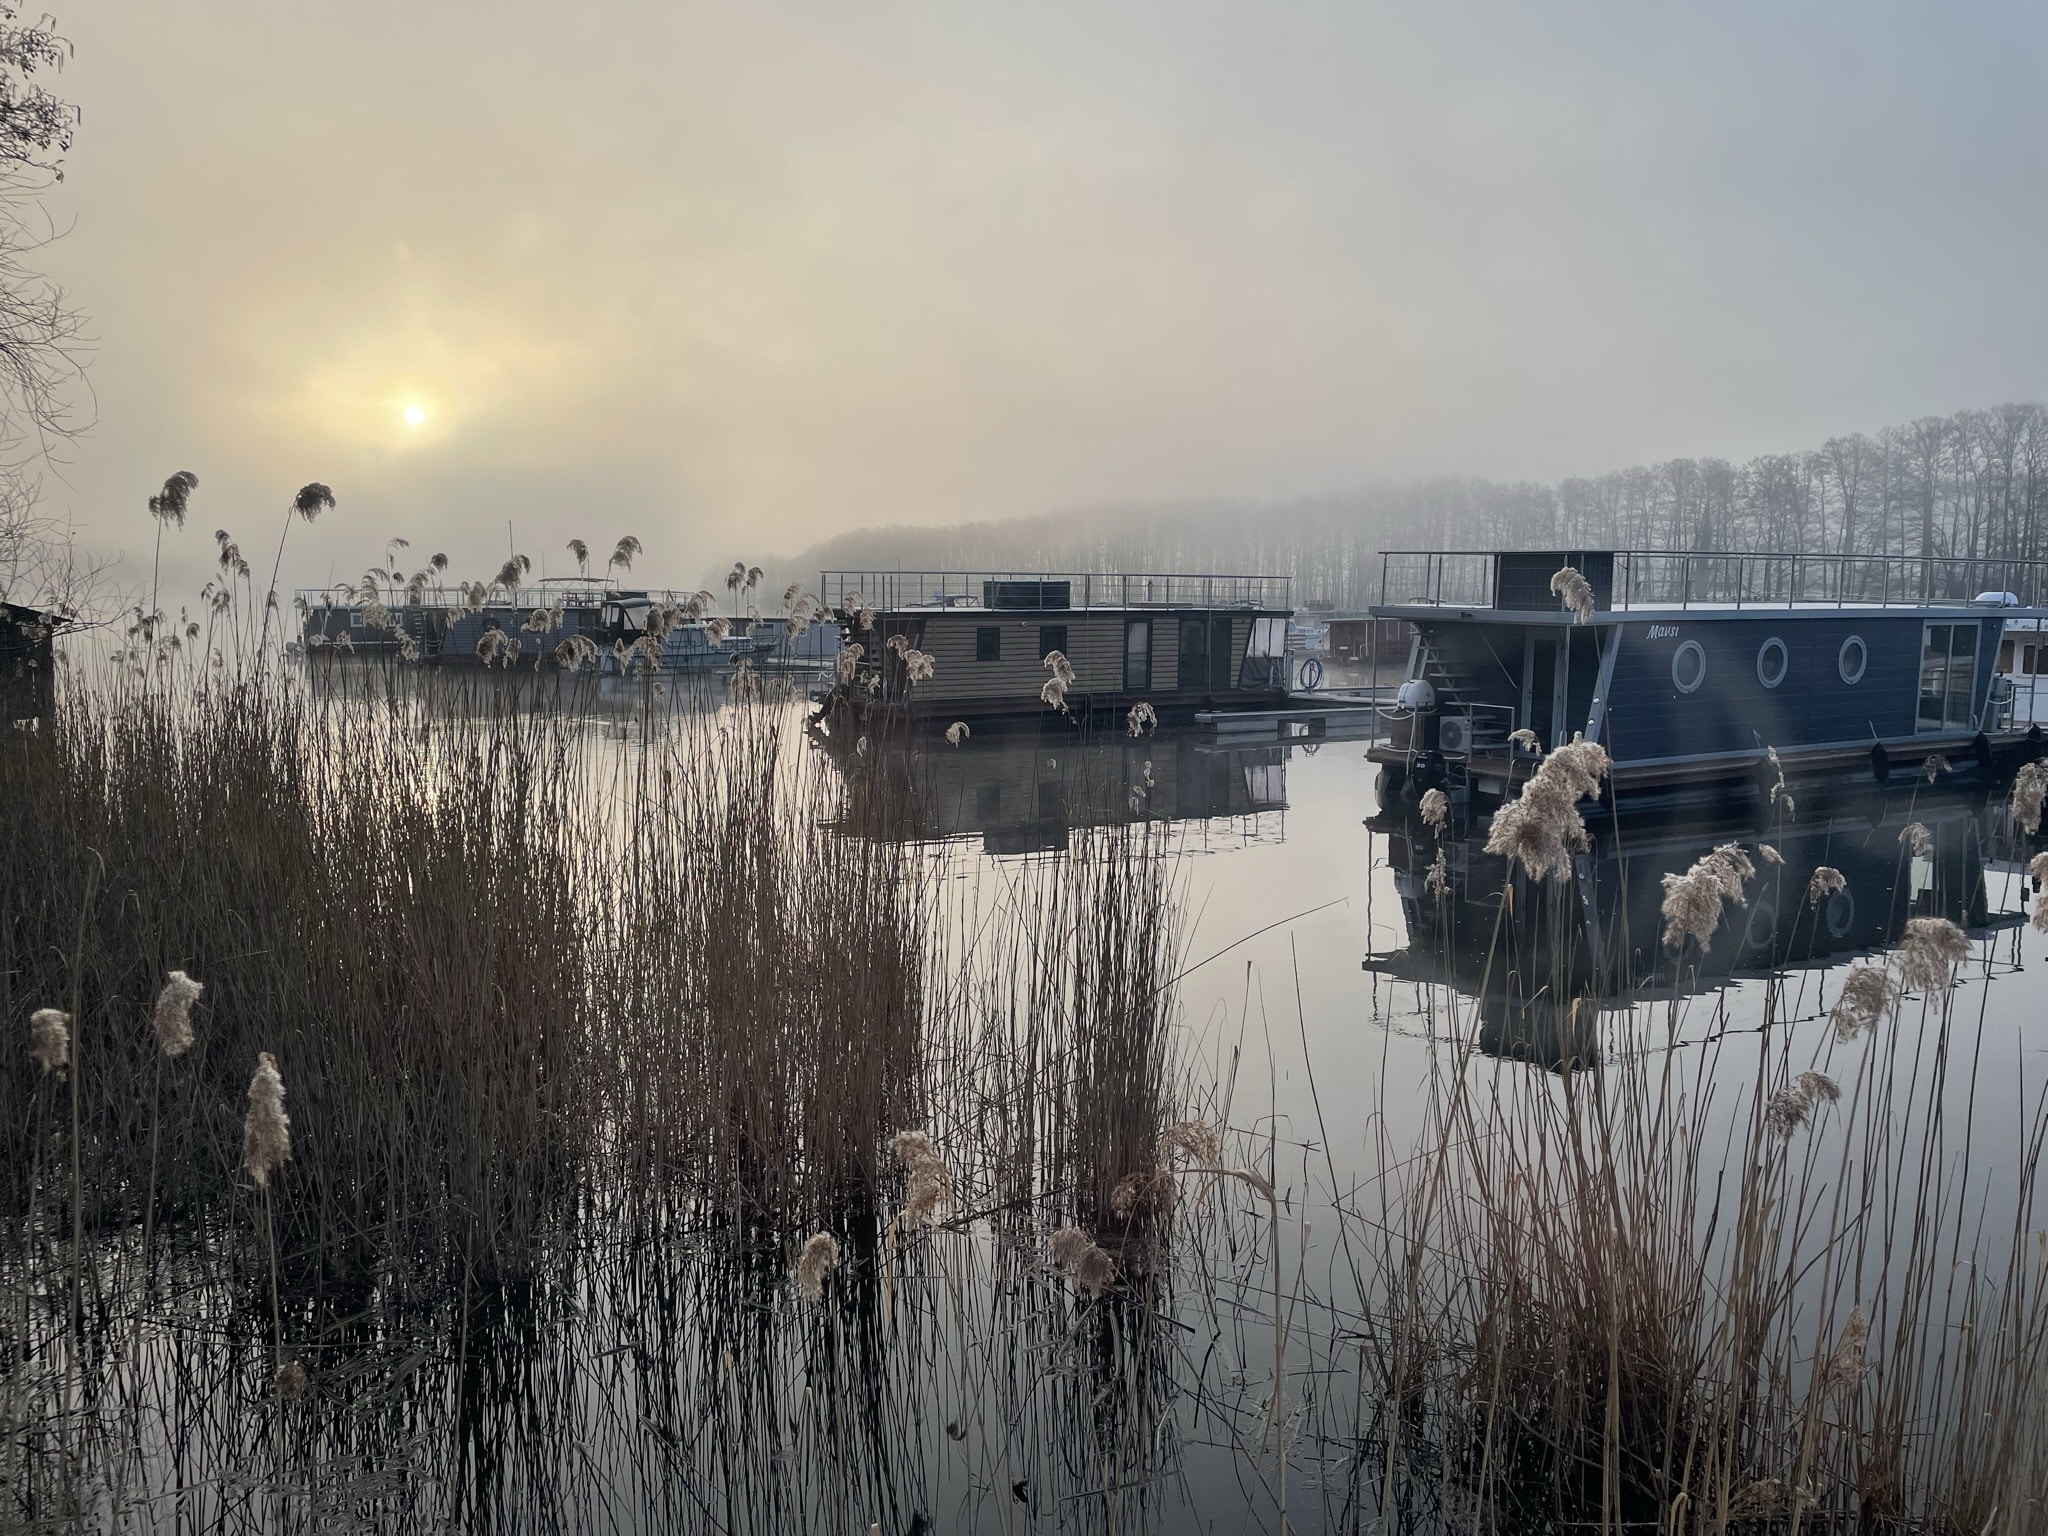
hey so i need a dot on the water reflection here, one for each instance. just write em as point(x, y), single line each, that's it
point(1543, 958)
point(1031, 794)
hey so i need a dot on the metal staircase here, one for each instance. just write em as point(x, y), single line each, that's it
point(1457, 693)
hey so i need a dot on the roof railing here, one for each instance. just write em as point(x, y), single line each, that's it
point(1085, 589)
point(1656, 578)
point(568, 589)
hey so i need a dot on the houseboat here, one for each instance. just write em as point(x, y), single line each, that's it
point(987, 644)
point(441, 626)
point(1705, 676)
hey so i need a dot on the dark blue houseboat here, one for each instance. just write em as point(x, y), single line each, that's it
point(1705, 676)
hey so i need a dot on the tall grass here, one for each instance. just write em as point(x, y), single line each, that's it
point(590, 1014)
point(1646, 1295)
point(550, 985)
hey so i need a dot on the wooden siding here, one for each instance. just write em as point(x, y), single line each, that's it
point(1095, 647)
point(1733, 711)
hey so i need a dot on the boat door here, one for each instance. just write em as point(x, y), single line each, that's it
point(1539, 685)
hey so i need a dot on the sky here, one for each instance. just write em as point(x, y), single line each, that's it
point(736, 278)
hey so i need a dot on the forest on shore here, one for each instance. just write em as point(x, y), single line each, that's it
point(1973, 485)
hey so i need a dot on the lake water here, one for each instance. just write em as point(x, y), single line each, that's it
point(955, 1381)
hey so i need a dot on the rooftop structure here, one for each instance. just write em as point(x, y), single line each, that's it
point(1631, 580)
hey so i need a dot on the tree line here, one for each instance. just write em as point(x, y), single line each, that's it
point(1970, 486)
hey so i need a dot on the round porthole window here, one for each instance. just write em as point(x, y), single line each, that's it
point(1840, 913)
point(1854, 657)
point(1688, 666)
point(1773, 661)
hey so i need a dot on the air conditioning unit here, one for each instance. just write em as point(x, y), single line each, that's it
point(1454, 735)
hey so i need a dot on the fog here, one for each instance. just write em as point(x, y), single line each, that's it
point(738, 282)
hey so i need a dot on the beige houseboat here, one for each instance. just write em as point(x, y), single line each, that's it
point(1178, 643)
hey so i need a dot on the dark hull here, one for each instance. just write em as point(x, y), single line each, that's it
point(1708, 781)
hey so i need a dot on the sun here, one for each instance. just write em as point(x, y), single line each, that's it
point(415, 413)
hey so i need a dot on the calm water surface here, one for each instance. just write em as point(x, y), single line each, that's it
point(960, 1385)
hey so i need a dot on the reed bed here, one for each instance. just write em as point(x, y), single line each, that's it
point(1710, 1281)
point(548, 996)
point(662, 1156)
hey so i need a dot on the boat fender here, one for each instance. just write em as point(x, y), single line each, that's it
point(1841, 913)
point(1880, 763)
point(1761, 930)
point(1980, 748)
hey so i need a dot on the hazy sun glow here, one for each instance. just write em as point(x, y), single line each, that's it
point(415, 413)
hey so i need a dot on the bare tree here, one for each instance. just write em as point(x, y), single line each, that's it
point(40, 333)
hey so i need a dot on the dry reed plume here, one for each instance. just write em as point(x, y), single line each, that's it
point(1434, 806)
point(1575, 592)
point(1694, 901)
point(1825, 882)
point(173, 1016)
point(1867, 993)
point(930, 1186)
point(1196, 1140)
point(1542, 828)
point(1790, 1107)
point(2029, 789)
point(50, 1039)
point(819, 1258)
point(1075, 1254)
point(266, 1129)
point(1929, 953)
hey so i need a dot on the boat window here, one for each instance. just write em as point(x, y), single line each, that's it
point(1265, 784)
point(1137, 656)
point(1265, 655)
point(1948, 675)
point(988, 642)
point(1052, 637)
point(1852, 659)
point(1194, 653)
point(1773, 661)
point(1688, 666)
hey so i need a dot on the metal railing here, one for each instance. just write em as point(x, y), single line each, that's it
point(1464, 578)
point(965, 589)
point(571, 592)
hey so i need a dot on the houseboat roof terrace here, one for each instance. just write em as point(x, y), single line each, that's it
point(1635, 581)
point(1070, 591)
